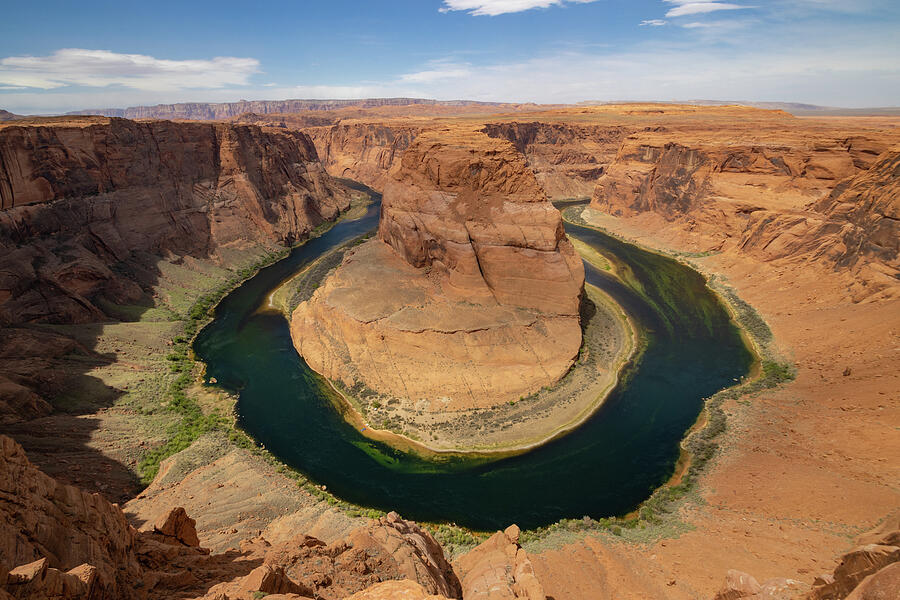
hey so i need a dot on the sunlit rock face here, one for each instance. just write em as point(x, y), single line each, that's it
point(470, 295)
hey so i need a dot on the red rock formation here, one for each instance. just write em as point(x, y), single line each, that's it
point(857, 226)
point(499, 569)
point(831, 201)
point(468, 205)
point(477, 303)
point(46, 525)
point(567, 159)
point(57, 541)
point(362, 151)
point(87, 204)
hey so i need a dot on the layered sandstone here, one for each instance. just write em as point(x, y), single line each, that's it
point(90, 205)
point(788, 195)
point(499, 569)
point(567, 158)
point(470, 295)
point(363, 151)
point(78, 199)
point(61, 542)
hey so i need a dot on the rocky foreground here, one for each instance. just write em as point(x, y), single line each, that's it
point(470, 295)
point(60, 542)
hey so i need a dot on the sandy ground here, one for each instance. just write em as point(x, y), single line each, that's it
point(804, 468)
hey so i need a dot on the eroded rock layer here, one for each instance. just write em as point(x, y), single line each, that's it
point(470, 296)
point(567, 159)
point(89, 207)
point(829, 200)
point(57, 541)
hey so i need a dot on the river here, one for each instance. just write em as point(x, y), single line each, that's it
point(605, 467)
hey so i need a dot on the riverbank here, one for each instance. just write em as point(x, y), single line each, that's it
point(611, 342)
point(794, 480)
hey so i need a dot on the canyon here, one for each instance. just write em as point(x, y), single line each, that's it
point(798, 216)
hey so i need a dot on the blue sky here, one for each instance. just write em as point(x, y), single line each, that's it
point(57, 56)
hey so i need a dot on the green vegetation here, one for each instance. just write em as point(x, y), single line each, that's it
point(455, 540)
point(193, 422)
point(658, 515)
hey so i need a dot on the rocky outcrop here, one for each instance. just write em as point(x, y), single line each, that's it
point(90, 207)
point(741, 586)
point(856, 228)
point(826, 200)
point(389, 548)
point(395, 590)
point(362, 151)
point(499, 569)
point(567, 159)
point(470, 296)
point(468, 206)
point(57, 541)
point(855, 566)
point(868, 572)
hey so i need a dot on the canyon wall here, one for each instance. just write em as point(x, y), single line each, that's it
point(90, 207)
point(470, 295)
point(364, 152)
point(567, 159)
point(204, 111)
point(828, 199)
point(79, 199)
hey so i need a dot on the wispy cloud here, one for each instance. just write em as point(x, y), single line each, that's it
point(500, 7)
point(696, 7)
point(653, 23)
point(437, 72)
point(102, 68)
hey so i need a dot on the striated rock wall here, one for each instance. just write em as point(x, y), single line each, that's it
point(567, 159)
point(363, 151)
point(80, 199)
point(469, 298)
point(467, 205)
point(810, 196)
point(90, 206)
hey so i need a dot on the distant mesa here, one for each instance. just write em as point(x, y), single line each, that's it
point(205, 111)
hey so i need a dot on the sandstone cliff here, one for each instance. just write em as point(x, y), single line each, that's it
point(819, 198)
point(567, 159)
point(362, 151)
point(470, 296)
point(57, 541)
point(89, 207)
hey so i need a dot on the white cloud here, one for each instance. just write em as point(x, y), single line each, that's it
point(653, 23)
point(102, 68)
point(437, 72)
point(500, 7)
point(695, 7)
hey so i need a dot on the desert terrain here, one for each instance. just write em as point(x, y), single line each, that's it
point(119, 236)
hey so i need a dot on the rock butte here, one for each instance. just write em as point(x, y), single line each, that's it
point(470, 295)
point(799, 214)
